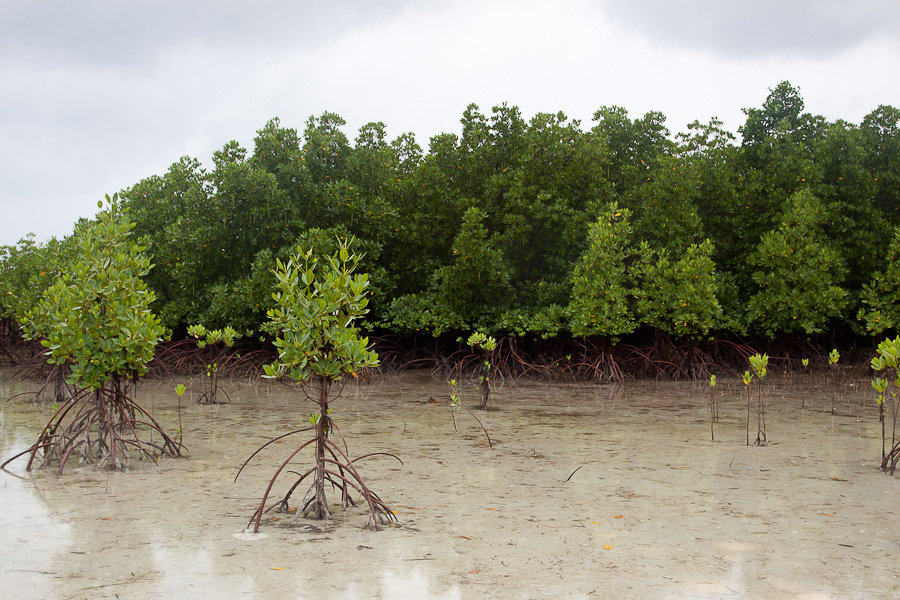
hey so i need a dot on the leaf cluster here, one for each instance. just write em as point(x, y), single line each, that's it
point(318, 304)
point(95, 318)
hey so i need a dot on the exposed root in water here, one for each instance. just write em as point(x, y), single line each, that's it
point(336, 469)
point(332, 466)
point(101, 426)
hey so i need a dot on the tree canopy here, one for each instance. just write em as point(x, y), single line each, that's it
point(540, 227)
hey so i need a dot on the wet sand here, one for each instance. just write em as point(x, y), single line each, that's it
point(654, 510)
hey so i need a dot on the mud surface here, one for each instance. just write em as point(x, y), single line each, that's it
point(654, 510)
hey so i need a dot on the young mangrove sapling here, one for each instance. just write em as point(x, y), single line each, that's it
point(95, 320)
point(318, 305)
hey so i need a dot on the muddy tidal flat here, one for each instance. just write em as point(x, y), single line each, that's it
point(590, 491)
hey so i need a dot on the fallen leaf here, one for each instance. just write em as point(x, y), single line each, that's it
point(828, 514)
point(475, 572)
point(607, 547)
point(465, 537)
point(277, 568)
point(595, 523)
point(619, 517)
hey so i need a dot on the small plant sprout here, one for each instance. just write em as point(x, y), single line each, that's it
point(216, 342)
point(759, 363)
point(486, 345)
point(887, 387)
point(713, 407)
point(179, 391)
point(833, 357)
point(456, 402)
point(748, 378)
point(880, 385)
point(805, 363)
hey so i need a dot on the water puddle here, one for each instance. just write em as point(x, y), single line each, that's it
point(589, 492)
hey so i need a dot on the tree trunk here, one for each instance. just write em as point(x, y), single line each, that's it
point(318, 506)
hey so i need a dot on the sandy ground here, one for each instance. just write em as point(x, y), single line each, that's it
point(654, 510)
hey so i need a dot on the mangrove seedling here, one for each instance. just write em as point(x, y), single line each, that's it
point(759, 364)
point(317, 307)
point(713, 407)
point(216, 342)
point(179, 391)
point(833, 357)
point(805, 363)
point(95, 319)
point(748, 378)
point(887, 389)
point(456, 402)
point(484, 344)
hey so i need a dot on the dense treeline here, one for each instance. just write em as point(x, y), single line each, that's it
point(537, 229)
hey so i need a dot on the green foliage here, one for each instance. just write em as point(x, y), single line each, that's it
point(601, 284)
point(95, 318)
point(759, 363)
point(880, 298)
point(209, 337)
point(467, 291)
point(544, 321)
point(679, 297)
point(482, 342)
point(797, 272)
point(477, 279)
point(888, 399)
point(315, 320)
point(496, 229)
point(27, 269)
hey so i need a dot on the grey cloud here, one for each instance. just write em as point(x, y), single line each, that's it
point(763, 28)
point(118, 34)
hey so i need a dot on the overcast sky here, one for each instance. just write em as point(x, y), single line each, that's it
point(96, 95)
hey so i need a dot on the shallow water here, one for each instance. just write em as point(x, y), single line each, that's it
point(654, 510)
